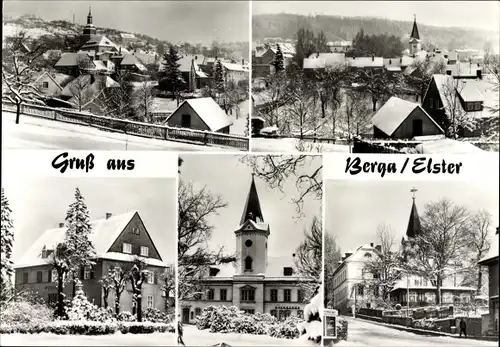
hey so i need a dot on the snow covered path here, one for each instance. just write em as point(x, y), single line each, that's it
point(118, 339)
point(260, 144)
point(37, 133)
point(364, 333)
point(194, 337)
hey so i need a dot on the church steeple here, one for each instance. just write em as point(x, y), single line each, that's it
point(89, 17)
point(414, 31)
point(252, 208)
point(414, 228)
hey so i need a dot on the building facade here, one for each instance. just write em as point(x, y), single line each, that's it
point(256, 282)
point(491, 261)
point(118, 242)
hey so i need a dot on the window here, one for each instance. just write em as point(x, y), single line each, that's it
point(248, 243)
point(248, 294)
point(25, 277)
point(186, 121)
point(150, 277)
point(300, 295)
point(52, 298)
point(274, 294)
point(192, 314)
point(287, 271)
point(135, 231)
point(144, 251)
point(45, 85)
point(54, 276)
point(469, 106)
point(274, 313)
point(361, 290)
point(287, 295)
point(223, 294)
point(150, 301)
point(211, 294)
point(87, 273)
point(127, 248)
point(437, 103)
point(248, 263)
point(197, 311)
point(431, 103)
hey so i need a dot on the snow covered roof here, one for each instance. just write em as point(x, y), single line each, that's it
point(59, 79)
point(448, 146)
point(492, 253)
point(99, 41)
point(127, 36)
point(72, 59)
point(323, 60)
point(362, 62)
point(130, 59)
point(393, 113)
point(463, 69)
point(103, 235)
point(208, 111)
point(233, 67)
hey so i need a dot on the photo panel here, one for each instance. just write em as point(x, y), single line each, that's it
point(250, 250)
point(411, 262)
point(83, 251)
point(355, 77)
point(126, 75)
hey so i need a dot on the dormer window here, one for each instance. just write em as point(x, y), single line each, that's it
point(287, 271)
point(127, 248)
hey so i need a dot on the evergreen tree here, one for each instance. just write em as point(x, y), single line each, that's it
point(172, 75)
point(278, 62)
point(321, 43)
point(7, 242)
point(80, 248)
point(304, 46)
point(219, 76)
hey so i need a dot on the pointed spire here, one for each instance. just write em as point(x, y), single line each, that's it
point(252, 208)
point(414, 31)
point(414, 229)
point(89, 17)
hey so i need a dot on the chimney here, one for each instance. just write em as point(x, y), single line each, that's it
point(479, 75)
point(108, 215)
point(400, 60)
point(242, 61)
point(317, 54)
point(378, 248)
point(61, 225)
point(371, 244)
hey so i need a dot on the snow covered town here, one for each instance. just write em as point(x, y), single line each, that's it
point(59, 76)
point(377, 87)
point(442, 271)
point(249, 280)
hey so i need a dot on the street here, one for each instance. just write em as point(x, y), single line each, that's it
point(36, 133)
point(195, 337)
point(365, 333)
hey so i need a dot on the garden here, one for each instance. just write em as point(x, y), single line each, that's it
point(32, 316)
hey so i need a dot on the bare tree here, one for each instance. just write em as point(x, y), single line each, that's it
point(168, 286)
point(332, 258)
point(379, 84)
point(457, 117)
point(274, 97)
point(137, 276)
point(59, 260)
point(479, 243)
point(435, 253)
point(80, 91)
point(309, 257)
point(107, 286)
point(358, 114)
point(144, 102)
point(117, 101)
point(275, 170)
point(195, 206)
point(19, 65)
point(118, 277)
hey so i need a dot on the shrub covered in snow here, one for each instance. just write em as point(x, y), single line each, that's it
point(428, 324)
point(154, 315)
point(25, 313)
point(126, 316)
point(143, 327)
point(286, 329)
point(82, 309)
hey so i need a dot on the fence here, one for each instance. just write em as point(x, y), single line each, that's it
point(361, 146)
point(160, 132)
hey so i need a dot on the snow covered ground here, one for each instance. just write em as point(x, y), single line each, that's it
point(118, 339)
point(364, 333)
point(37, 133)
point(239, 125)
point(260, 144)
point(195, 337)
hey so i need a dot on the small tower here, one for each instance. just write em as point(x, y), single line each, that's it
point(89, 30)
point(415, 45)
point(252, 236)
point(414, 229)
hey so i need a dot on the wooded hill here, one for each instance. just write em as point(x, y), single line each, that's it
point(345, 28)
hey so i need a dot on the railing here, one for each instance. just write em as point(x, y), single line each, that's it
point(160, 132)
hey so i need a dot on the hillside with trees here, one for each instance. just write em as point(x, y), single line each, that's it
point(345, 28)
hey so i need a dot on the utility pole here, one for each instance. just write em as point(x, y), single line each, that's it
point(407, 295)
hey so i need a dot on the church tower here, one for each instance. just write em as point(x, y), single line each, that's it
point(415, 45)
point(252, 236)
point(89, 30)
point(414, 227)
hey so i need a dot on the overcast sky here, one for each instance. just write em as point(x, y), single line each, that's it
point(355, 208)
point(226, 176)
point(41, 203)
point(192, 21)
point(478, 14)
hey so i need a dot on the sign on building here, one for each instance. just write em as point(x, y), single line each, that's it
point(329, 323)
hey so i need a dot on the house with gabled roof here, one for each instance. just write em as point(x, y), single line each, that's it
point(200, 114)
point(256, 282)
point(118, 242)
point(52, 84)
point(401, 119)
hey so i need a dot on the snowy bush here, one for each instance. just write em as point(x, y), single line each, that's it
point(286, 329)
point(428, 324)
point(154, 315)
point(24, 313)
point(125, 316)
point(82, 309)
point(341, 325)
point(143, 327)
